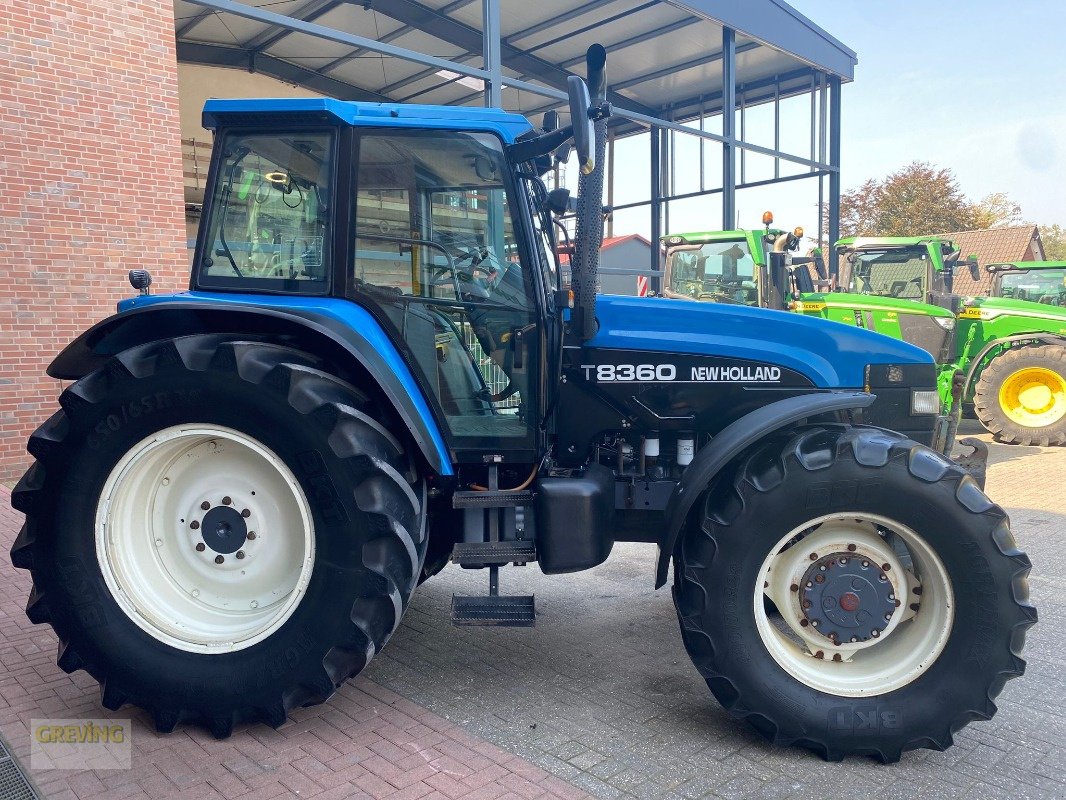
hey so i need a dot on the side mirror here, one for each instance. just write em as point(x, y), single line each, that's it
point(578, 92)
point(560, 202)
point(550, 122)
point(975, 271)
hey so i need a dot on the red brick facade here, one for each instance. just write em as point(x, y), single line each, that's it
point(90, 183)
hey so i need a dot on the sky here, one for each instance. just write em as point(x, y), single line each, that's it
point(978, 87)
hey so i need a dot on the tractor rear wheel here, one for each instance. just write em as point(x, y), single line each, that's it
point(219, 531)
point(850, 591)
point(1021, 396)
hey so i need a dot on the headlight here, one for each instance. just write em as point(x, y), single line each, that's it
point(947, 323)
point(925, 402)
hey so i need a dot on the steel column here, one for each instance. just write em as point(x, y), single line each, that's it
point(834, 176)
point(729, 104)
point(655, 206)
point(490, 13)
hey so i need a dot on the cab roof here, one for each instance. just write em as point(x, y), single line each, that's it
point(714, 236)
point(1025, 265)
point(859, 242)
point(263, 111)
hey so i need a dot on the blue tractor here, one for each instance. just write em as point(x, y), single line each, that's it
point(377, 370)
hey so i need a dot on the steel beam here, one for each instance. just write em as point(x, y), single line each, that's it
point(469, 39)
point(632, 40)
point(695, 62)
point(219, 56)
point(656, 195)
point(334, 35)
point(729, 103)
point(308, 12)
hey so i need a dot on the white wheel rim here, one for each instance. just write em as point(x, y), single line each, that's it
point(903, 646)
point(210, 588)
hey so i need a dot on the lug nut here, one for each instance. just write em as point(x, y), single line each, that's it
point(205, 505)
point(883, 576)
point(794, 587)
point(226, 500)
point(814, 622)
point(843, 561)
point(854, 638)
point(806, 603)
point(875, 633)
point(200, 547)
point(804, 623)
point(820, 654)
point(885, 567)
point(240, 554)
point(865, 563)
point(852, 548)
point(246, 513)
point(219, 559)
point(195, 524)
point(917, 590)
point(819, 578)
point(814, 556)
point(914, 607)
point(836, 657)
point(251, 534)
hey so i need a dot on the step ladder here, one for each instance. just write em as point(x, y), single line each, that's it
point(493, 609)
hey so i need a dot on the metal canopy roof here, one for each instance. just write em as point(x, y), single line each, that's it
point(665, 57)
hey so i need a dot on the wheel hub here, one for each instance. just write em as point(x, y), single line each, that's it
point(847, 598)
point(224, 530)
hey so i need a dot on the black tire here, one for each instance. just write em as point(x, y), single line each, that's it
point(367, 506)
point(796, 477)
point(986, 395)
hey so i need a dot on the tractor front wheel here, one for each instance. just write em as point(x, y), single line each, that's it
point(218, 531)
point(1021, 396)
point(853, 592)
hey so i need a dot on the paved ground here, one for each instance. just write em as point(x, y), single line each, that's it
point(600, 694)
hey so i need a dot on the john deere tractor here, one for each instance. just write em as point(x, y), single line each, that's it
point(375, 371)
point(1011, 351)
point(1006, 357)
point(1037, 281)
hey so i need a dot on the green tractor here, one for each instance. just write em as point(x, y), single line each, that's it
point(1005, 356)
point(1035, 281)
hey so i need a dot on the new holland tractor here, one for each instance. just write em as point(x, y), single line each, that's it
point(1005, 356)
point(375, 371)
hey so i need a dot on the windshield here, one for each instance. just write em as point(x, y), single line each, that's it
point(270, 213)
point(716, 271)
point(1039, 286)
point(899, 272)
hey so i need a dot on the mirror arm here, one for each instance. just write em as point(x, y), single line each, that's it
point(528, 149)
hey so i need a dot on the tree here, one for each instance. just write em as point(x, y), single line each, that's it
point(995, 211)
point(917, 199)
point(1053, 238)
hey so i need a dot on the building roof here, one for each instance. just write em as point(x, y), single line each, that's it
point(611, 241)
point(665, 57)
point(993, 246)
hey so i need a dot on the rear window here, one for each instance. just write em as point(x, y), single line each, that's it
point(271, 214)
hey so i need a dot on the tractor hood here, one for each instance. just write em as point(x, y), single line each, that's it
point(988, 308)
point(830, 354)
point(872, 302)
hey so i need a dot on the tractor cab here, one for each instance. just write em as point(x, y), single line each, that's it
point(1036, 281)
point(920, 269)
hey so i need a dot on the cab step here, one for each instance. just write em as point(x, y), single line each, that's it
point(504, 611)
point(492, 499)
point(475, 555)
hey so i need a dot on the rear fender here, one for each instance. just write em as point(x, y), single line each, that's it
point(731, 442)
point(359, 355)
point(978, 363)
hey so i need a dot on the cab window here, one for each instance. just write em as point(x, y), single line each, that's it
point(270, 214)
point(716, 271)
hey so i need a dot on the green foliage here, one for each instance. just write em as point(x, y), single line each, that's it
point(1053, 238)
point(917, 200)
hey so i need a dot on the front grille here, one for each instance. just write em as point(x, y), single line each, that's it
point(924, 332)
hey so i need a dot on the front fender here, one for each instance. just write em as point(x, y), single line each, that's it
point(733, 439)
point(355, 345)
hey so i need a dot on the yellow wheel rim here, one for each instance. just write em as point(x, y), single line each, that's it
point(1034, 397)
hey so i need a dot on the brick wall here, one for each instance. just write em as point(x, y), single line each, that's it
point(90, 183)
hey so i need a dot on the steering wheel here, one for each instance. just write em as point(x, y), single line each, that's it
point(718, 297)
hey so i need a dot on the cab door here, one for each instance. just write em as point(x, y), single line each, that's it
point(438, 255)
